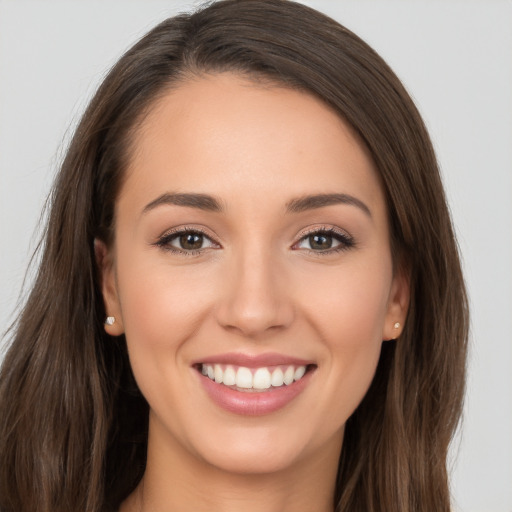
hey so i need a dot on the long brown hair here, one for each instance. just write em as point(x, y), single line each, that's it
point(73, 428)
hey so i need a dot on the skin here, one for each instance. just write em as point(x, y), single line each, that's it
point(258, 286)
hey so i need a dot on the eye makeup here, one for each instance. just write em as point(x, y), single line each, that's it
point(325, 240)
point(186, 241)
point(192, 241)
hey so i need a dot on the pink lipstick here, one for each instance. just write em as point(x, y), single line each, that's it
point(253, 384)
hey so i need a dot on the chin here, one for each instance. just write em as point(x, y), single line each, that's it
point(253, 459)
point(265, 449)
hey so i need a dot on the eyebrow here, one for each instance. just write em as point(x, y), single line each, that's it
point(209, 203)
point(199, 201)
point(321, 200)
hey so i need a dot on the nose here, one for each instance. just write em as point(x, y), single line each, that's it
point(256, 297)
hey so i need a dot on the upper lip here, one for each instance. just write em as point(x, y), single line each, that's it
point(253, 360)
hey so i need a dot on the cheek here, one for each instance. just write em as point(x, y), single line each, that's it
point(161, 305)
point(162, 308)
point(350, 305)
point(349, 320)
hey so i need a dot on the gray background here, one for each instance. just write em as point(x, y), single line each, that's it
point(455, 57)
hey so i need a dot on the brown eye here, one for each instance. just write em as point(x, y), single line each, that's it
point(325, 241)
point(320, 242)
point(191, 241)
point(186, 242)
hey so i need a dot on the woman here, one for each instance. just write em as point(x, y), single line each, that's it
point(250, 294)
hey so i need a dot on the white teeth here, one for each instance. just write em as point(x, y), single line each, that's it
point(217, 372)
point(229, 376)
point(260, 378)
point(288, 375)
point(277, 378)
point(244, 378)
point(299, 373)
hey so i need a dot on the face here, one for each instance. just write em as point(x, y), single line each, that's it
point(251, 274)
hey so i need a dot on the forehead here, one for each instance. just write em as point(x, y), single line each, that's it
point(222, 134)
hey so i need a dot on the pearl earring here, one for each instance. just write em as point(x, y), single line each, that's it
point(397, 325)
point(110, 320)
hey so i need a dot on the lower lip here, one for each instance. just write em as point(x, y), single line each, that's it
point(253, 403)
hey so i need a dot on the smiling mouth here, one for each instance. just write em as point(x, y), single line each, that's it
point(261, 379)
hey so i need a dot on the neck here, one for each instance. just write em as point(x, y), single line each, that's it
point(176, 481)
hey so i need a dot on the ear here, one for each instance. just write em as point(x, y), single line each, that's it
point(108, 285)
point(398, 305)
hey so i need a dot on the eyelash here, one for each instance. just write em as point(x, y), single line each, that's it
point(165, 240)
point(345, 241)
